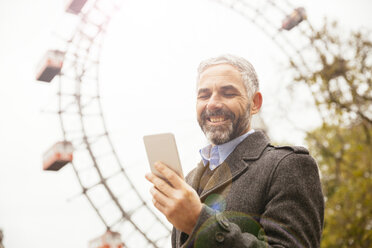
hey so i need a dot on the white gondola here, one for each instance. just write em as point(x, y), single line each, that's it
point(58, 156)
point(108, 240)
point(75, 6)
point(50, 65)
point(297, 16)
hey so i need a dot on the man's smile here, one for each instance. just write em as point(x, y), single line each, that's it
point(217, 119)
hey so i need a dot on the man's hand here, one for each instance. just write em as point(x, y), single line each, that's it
point(179, 202)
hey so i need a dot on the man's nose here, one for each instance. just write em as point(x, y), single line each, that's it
point(214, 102)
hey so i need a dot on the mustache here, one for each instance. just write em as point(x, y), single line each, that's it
point(225, 112)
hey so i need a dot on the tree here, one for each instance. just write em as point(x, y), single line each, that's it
point(342, 88)
point(342, 146)
point(345, 160)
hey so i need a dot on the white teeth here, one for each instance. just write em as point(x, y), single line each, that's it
point(217, 119)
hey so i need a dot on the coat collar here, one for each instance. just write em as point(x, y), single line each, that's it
point(252, 147)
point(249, 149)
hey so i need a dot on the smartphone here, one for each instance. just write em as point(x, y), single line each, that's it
point(163, 148)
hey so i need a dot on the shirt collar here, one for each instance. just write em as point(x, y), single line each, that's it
point(224, 150)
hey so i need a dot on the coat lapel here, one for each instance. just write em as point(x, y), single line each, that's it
point(194, 177)
point(236, 163)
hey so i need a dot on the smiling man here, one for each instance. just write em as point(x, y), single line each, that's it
point(244, 192)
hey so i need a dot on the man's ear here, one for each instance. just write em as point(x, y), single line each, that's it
point(256, 102)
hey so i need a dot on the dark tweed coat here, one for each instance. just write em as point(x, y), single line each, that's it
point(261, 196)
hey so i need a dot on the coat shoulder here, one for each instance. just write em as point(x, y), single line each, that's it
point(279, 152)
point(295, 149)
point(293, 157)
point(276, 155)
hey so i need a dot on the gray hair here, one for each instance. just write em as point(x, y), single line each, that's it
point(245, 68)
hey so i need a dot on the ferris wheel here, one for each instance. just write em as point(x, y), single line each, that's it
point(86, 141)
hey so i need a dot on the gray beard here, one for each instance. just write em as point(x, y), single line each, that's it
point(218, 135)
point(222, 134)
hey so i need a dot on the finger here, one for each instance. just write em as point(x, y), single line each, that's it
point(158, 205)
point(160, 184)
point(159, 196)
point(169, 174)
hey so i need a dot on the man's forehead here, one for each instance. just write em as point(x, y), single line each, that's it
point(224, 75)
point(220, 70)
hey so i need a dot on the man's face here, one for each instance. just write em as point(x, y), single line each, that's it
point(223, 107)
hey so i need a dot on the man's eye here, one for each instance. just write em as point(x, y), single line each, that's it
point(230, 94)
point(203, 96)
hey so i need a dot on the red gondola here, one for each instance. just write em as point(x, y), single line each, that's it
point(297, 16)
point(75, 6)
point(58, 156)
point(108, 240)
point(50, 65)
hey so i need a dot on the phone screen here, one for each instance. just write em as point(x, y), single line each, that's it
point(163, 148)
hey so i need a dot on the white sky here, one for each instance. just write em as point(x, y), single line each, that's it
point(148, 69)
